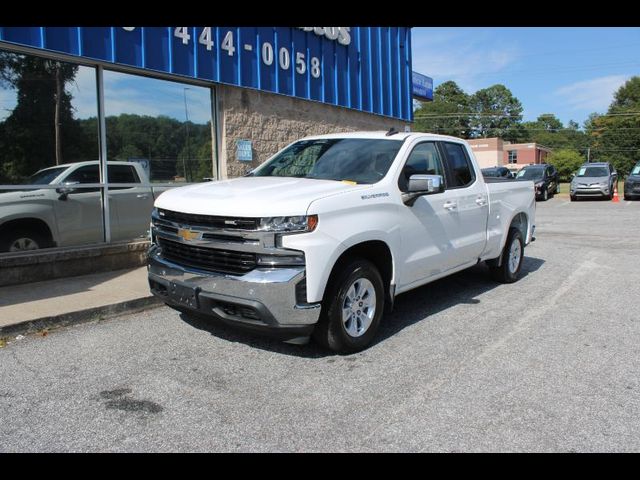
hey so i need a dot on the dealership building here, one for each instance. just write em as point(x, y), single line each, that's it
point(187, 104)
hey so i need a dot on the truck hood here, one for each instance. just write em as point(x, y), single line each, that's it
point(252, 196)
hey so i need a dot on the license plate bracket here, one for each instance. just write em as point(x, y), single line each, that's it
point(184, 295)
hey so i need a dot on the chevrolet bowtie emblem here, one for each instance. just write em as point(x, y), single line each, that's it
point(187, 234)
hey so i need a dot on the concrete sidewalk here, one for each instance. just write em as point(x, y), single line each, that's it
point(42, 305)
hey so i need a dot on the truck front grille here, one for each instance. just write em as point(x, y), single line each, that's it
point(208, 259)
point(192, 219)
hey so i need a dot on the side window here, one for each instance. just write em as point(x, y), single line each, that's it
point(459, 166)
point(122, 174)
point(86, 174)
point(423, 160)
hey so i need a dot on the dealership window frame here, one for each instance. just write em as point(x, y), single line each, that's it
point(100, 67)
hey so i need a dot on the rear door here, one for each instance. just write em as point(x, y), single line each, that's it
point(133, 203)
point(468, 205)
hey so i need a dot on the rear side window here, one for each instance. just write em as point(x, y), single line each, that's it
point(423, 160)
point(122, 174)
point(460, 170)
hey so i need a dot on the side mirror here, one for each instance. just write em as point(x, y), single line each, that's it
point(66, 189)
point(422, 185)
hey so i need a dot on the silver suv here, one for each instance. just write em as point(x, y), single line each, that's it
point(594, 180)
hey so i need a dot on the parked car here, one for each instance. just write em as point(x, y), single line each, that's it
point(596, 179)
point(497, 172)
point(632, 184)
point(544, 177)
point(321, 238)
point(69, 215)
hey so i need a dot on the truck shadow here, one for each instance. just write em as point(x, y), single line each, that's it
point(410, 308)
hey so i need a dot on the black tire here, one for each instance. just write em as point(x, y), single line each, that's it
point(24, 237)
point(572, 198)
point(331, 331)
point(545, 195)
point(505, 273)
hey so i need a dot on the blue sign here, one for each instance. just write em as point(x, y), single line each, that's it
point(365, 68)
point(422, 86)
point(244, 152)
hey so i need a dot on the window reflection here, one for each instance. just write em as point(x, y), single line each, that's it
point(163, 125)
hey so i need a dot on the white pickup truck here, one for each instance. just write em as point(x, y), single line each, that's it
point(72, 215)
point(320, 238)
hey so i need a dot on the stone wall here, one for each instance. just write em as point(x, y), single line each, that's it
point(273, 121)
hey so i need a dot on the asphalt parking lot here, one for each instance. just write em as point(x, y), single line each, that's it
point(549, 363)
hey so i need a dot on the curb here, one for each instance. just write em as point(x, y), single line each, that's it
point(81, 316)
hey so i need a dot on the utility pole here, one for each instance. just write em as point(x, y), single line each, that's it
point(588, 154)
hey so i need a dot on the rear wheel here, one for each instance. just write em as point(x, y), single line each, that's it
point(352, 308)
point(512, 257)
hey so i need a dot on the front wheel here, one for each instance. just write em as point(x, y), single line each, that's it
point(512, 257)
point(352, 308)
point(22, 240)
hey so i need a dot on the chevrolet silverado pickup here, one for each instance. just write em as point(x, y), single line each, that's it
point(72, 215)
point(319, 239)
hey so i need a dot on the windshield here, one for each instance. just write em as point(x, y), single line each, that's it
point(358, 160)
point(593, 172)
point(636, 170)
point(531, 174)
point(46, 176)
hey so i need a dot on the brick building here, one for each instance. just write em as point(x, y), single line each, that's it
point(492, 152)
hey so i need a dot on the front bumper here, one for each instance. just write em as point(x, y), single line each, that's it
point(267, 300)
point(632, 191)
point(590, 192)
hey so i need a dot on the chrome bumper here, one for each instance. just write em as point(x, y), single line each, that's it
point(264, 298)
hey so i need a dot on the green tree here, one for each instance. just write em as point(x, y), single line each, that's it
point(41, 130)
point(497, 113)
point(549, 131)
point(566, 161)
point(615, 137)
point(447, 114)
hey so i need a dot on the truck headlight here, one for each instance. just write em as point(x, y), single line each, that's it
point(300, 223)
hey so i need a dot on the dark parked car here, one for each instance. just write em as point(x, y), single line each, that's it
point(595, 179)
point(632, 184)
point(497, 172)
point(544, 177)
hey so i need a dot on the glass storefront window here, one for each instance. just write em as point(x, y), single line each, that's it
point(48, 124)
point(165, 126)
point(158, 135)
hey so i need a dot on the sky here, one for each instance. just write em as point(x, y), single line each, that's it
point(568, 71)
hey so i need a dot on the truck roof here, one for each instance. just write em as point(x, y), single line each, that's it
point(87, 162)
point(381, 134)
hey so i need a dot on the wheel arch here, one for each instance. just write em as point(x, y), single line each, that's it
point(33, 224)
point(378, 253)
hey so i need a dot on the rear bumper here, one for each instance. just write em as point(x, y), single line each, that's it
point(263, 300)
